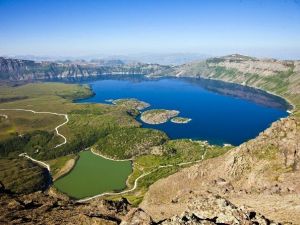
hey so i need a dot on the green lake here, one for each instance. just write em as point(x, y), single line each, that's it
point(94, 175)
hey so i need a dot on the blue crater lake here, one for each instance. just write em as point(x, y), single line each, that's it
point(220, 112)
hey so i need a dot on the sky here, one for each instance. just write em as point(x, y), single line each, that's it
point(266, 28)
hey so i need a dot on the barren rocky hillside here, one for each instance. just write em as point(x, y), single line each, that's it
point(48, 208)
point(264, 170)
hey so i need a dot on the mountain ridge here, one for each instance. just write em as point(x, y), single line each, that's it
point(17, 69)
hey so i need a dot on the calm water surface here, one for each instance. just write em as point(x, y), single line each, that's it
point(220, 112)
point(92, 175)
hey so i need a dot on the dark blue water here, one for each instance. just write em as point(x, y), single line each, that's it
point(220, 112)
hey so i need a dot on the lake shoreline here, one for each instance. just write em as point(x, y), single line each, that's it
point(106, 157)
point(68, 170)
point(290, 103)
point(65, 184)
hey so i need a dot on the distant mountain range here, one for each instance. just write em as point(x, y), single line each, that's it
point(174, 59)
point(17, 69)
point(147, 58)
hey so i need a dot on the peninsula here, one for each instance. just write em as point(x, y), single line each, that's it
point(131, 103)
point(158, 116)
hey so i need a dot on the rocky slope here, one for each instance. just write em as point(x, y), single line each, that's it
point(48, 208)
point(206, 210)
point(265, 170)
point(16, 69)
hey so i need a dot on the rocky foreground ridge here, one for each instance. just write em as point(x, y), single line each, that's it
point(46, 208)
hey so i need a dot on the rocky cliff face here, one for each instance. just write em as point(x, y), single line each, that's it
point(269, 74)
point(15, 69)
point(244, 64)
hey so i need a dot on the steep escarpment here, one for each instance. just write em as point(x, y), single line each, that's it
point(17, 69)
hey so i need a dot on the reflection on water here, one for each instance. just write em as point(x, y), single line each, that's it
point(240, 91)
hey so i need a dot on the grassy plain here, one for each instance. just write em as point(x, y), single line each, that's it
point(88, 122)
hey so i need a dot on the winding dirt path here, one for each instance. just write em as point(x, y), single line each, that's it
point(52, 113)
point(43, 164)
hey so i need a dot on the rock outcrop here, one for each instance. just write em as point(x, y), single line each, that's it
point(210, 209)
point(41, 208)
point(206, 210)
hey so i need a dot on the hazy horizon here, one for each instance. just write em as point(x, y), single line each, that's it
point(82, 29)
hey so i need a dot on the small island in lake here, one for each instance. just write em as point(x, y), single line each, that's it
point(158, 116)
point(131, 103)
point(109, 100)
point(180, 120)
